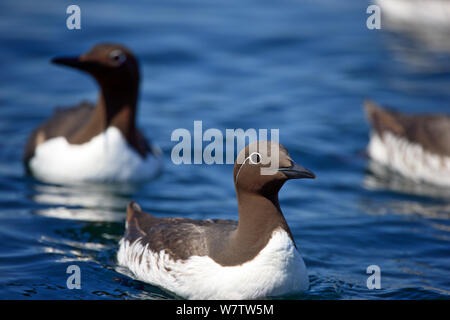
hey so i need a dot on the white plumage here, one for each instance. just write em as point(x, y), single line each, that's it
point(278, 269)
point(425, 12)
point(410, 159)
point(105, 158)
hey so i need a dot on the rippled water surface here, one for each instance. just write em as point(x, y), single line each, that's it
point(301, 66)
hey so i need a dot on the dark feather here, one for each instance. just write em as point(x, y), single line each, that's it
point(63, 122)
point(179, 237)
point(431, 131)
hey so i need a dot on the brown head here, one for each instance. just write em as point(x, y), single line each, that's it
point(263, 167)
point(113, 66)
point(117, 71)
point(260, 171)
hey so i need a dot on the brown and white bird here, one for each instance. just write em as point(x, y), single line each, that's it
point(417, 146)
point(96, 142)
point(224, 259)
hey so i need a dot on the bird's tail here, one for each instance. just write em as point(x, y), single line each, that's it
point(382, 119)
point(133, 209)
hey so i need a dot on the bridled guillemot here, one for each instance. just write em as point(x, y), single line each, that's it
point(223, 259)
point(96, 142)
point(417, 146)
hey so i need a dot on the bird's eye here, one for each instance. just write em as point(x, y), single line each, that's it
point(255, 158)
point(117, 56)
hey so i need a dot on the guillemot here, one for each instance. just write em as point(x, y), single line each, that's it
point(417, 146)
point(223, 259)
point(98, 142)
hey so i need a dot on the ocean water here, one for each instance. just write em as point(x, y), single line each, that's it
point(303, 67)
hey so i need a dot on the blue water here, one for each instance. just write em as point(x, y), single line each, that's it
point(301, 66)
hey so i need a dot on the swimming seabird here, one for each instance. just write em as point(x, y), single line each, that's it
point(96, 142)
point(417, 146)
point(407, 13)
point(223, 259)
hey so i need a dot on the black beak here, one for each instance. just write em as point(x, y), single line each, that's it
point(297, 172)
point(75, 62)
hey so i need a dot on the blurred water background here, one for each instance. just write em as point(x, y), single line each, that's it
point(301, 66)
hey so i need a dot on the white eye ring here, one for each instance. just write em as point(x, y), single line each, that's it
point(117, 56)
point(253, 156)
point(250, 161)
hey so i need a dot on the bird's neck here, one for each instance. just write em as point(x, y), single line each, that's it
point(259, 215)
point(114, 108)
point(118, 109)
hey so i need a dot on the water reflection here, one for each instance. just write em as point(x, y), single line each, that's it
point(380, 177)
point(419, 32)
point(86, 202)
point(430, 211)
point(71, 251)
point(435, 209)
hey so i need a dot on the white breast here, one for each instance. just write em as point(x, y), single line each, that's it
point(277, 270)
point(106, 157)
point(410, 159)
point(433, 12)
